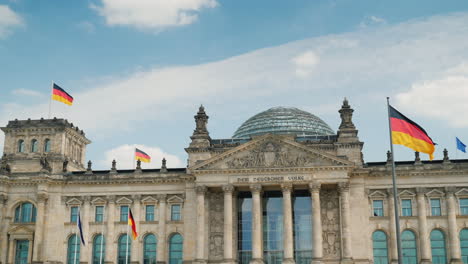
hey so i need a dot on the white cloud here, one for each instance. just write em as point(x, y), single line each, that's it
point(152, 14)
point(444, 98)
point(8, 20)
point(124, 155)
point(87, 26)
point(26, 92)
point(370, 21)
point(305, 63)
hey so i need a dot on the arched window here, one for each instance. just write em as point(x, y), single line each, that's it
point(175, 249)
point(73, 251)
point(47, 145)
point(25, 213)
point(125, 245)
point(408, 245)
point(99, 246)
point(34, 145)
point(149, 249)
point(21, 145)
point(439, 254)
point(379, 246)
point(464, 245)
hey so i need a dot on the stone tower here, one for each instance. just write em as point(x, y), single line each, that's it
point(44, 145)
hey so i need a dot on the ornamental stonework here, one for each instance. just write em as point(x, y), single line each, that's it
point(216, 226)
point(330, 224)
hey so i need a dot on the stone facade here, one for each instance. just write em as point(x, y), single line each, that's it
point(344, 192)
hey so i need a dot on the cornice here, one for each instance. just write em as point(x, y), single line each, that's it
point(263, 170)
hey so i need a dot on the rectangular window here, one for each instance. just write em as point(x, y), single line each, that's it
point(149, 213)
point(377, 206)
point(99, 214)
point(464, 206)
point(124, 213)
point(175, 212)
point(74, 214)
point(406, 207)
point(435, 207)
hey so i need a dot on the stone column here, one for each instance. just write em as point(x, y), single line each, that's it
point(39, 228)
point(257, 228)
point(11, 249)
point(422, 222)
point(317, 240)
point(288, 241)
point(85, 251)
point(162, 244)
point(393, 249)
point(228, 221)
point(454, 242)
point(110, 250)
point(343, 188)
point(136, 247)
point(3, 228)
point(201, 191)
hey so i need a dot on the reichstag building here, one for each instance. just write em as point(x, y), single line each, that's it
point(286, 188)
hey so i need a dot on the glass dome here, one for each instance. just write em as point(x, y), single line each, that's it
point(283, 120)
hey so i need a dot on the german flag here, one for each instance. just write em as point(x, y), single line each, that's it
point(132, 224)
point(141, 155)
point(409, 134)
point(60, 95)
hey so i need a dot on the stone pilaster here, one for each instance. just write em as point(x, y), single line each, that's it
point(317, 251)
point(257, 228)
point(454, 242)
point(288, 241)
point(3, 226)
point(39, 229)
point(393, 249)
point(200, 256)
point(422, 222)
point(162, 240)
point(343, 188)
point(228, 222)
point(110, 251)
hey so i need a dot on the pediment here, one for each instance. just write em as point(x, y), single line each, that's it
point(20, 229)
point(377, 194)
point(406, 193)
point(98, 201)
point(175, 199)
point(124, 200)
point(149, 199)
point(435, 193)
point(271, 151)
point(462, 192)
point(74, 201)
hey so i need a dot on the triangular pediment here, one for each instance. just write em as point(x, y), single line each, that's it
point(123, 200)
point(74, 201)
point(271, 151)
point(377, 194)
point(435, 193)
point(175, 199)
point(98, 201)
point(149, 199)
point(20, 229)
point(462, 192)
point(406, 193)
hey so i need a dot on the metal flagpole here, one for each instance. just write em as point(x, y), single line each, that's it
point(102, 234)
point(50, 100)
point(76, 238)
point(395, 191)
point(126, 252)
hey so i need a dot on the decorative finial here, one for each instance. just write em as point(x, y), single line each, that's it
point(389, 156)
point(89, 169)
point(446, 157)
point(114, 163)
point(200, 137)
point(416, 156)
point(138, 164)
point(163, 166)
point(346, 114)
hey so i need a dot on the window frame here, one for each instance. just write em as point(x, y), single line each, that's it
point(102, 250)
point(179, 213)
point(374, 208)
point(123, 217)
point(433, 207)
point(21, 146)
point(153, 214)
point(465, 207)
point(444, 240)
point(96, 220)
point(374, 240)
point(34, 145)
point(47, 145)
point(19, 213)
point(145, 251)
point(74, 215)
point(404, 211)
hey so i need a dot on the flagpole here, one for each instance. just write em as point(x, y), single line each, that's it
point(395, 190)
point(76, 238)
point(126, 252)
point(50, 100)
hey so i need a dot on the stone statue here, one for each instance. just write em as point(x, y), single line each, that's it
point(45, 163)
point(4, 167)
point(65, 165)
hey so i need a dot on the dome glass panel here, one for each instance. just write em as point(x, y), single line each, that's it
point(283, 120)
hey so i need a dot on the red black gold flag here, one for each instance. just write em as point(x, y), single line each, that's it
point(132, 224)
point(141, 155)
point(409, 134)
point(60, 95)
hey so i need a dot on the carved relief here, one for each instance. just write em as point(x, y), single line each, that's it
point(330, 223)
point(216, 225)
point(271, 154)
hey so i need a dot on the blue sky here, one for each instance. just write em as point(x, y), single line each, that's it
point(139, 69)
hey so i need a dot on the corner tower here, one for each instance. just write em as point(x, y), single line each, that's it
point(44, 145)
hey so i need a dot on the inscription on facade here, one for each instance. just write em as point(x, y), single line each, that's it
point(272, 179)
